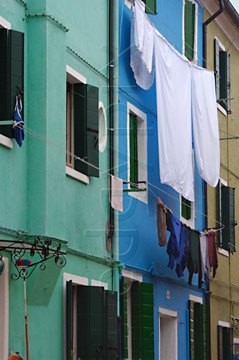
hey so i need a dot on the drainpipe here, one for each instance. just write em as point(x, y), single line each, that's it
point(207, 296)
point(111, 123)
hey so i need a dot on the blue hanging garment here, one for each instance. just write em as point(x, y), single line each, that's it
point(18, 123)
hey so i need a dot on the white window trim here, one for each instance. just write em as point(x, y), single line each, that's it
point(142, 196)
point(99, 283)
point(235, 340)
point(4, 23)
point(173, 314)
point(5, 281)
point(223, 323)
point(102, 144)
point(195, 298)
point(221, 109)
point(132, 275)
point(168, 312)
point(77, 175)
point(195, 60)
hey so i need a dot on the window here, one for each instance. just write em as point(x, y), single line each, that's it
point(225, 341)
point(4, 310)
point(226, 216)
point(187, 208)
point(168, 334)
point(11, 74)
point(92, 323)
point(198, 330)
point(222, 75)
point(137, 153)
point(82, 128)
point(137, 319)
point(190, 30)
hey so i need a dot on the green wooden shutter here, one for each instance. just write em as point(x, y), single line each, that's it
point(189, 29)
point(219, 212)
point(11, 74)
point(217, 67)
point(228, 218)
point(201, 332)
point(133, 150)
point(220, 343)
point(68, 319)
point(225, 79)
point(230, 335)
point(150, 6)
point(86, 128)
point(186, 208)
point(191, 329)
point(142, 321)
point(111, 326)
point(124, 316)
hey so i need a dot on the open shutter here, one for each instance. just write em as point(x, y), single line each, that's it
point(150, 6)
point(111, 326)
point(136, 320)
point(228, 218)
point(186, 208)
point(228, 84)
point(68, 319)
point(86, 128)
point(124, 316)
point(224, 78)
point(11, 74)
point(133, 150)
point(191, 329)
point(189, 29)
point(220, 343)
point(217, 67)
point(219, 212)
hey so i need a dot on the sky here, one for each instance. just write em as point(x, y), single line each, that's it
point(235, 3)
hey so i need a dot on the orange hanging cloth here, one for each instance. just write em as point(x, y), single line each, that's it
point(161, 222)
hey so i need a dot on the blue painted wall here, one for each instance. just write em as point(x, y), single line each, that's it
point(138, 245)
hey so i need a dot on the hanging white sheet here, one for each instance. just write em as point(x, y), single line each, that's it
point(116, 193)
point(205, 125)
point(142, 46)
point(173, 90)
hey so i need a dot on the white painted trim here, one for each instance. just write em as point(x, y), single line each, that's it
point(4, 282)
point(74, 76)
point(132, 275)
point(5, 141)
point(4, 23)
point(221, 109)
point(223, 323)
point(77, 175)
point(142, 163)
point(222, 47)
point(223, 252)
point(99, 283)
point(235, 340)
point(195, 298)
point(223, 182)
point(168, 312)
point(103, 141)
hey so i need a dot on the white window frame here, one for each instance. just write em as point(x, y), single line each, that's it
point(164, 312)
point(142, 151)
point(221, 250)
point(195, 58)
point(223, 323)
point(4, 304)
point(4, 140)
point(190, 222)
point(197, 299)
point(74, 77)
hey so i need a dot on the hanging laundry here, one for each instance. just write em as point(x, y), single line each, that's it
point(205, 125)
point(116, 193)
point(187, 257)
point(161, 222)
point(212, 252)
point(142, 46)
point(173, 90)
point(196, 261)
point(205, 266)
point(18, 123)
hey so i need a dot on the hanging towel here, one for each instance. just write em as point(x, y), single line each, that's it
point(205, 266)
point(18, 123)
point(205, 125)
point(212, 252)
point(173, 90)
point(116, 193)
point(161, 222)
point(142, 46)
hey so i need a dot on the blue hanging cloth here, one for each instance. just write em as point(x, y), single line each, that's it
point(18, 123)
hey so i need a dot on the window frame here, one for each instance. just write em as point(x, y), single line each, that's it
point(4, 296)
point(173, 315)
point(195, 50)
point(189, 222)
point(142, 151)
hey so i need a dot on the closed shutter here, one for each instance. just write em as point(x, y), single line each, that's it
point(217, 67)
point(136, 320)
point(228, 218)
point(124, 316)
point(86, 128)
point(111, 326)
point(220, 343)
point(201, 334)
point(150, 6)
point(225, 79)
point(219, 212)
point(68, 319)
point(11, 74)
point(191, 329)
point(133, 150)
point(189, 29)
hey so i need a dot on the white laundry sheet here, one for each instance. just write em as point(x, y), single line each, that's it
point(116, 193)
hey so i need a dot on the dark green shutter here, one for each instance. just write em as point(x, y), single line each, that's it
point(230, 335)
point(111, 326)
point(124, 316)
point(133, 150)
point(142, 321)
point(86, 128)
point(228, 218)
point(191, 329)
point(150, 6)
point(189, 29)
point(68, 319)
point(219, 212)
point(224, 79)
point(186, 208)
point(11, 74)
point(201, 332)
point(217, 67)
point(225, 343)
point(220, 343)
